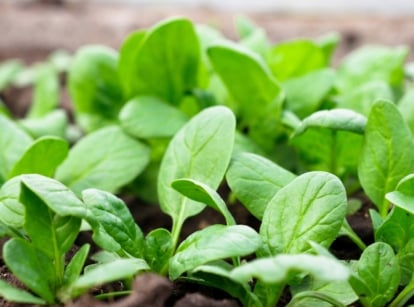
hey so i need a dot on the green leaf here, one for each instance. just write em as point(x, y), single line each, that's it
point(114, 228)
point(13, 142)
point(403, 196)
point(30, 266)
point(201, 150)
point(46, 93)
point(94, 87)
point(305, 94)
point(52, 124)
point(42, 157)
point(141, 118)
point(164, 63)
point(106, 159)
point(158, 250)
point(52, 234)
point(377, 276)
point(202, 193)
point(405, 258)
point(406, 108)
point(295, 58)
point(281, 268)
point(105, 273)
point(385, 158)
point(213, 243)
point(12, 294)
point(76, 264)
point(336, 119)
point(8, 71)
point(309, 208)
point(11, 210)
point(255, 180)
point(371, 63)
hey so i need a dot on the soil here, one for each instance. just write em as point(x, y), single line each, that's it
point(34, 30)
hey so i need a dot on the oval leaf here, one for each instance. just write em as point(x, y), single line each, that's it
point(11, 209)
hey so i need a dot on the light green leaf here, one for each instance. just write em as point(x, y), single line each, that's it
point(377, 276)
point(202, 193)
point(295, 58)
point(114, 228)
point(11, 210)
point(255, 180)
point(403, 196)
point(106, 159)
point(201, 150)
point(13, 142)
point(8, 71)
point(385, 158)
point(164, 62)
point(309, 208)
point(406, 108)
point(405, 258)
point(158, 250)
point(76, 264)
point(94, 87)
point(213, 243)
point(42, 157)
point(281, 268)
point(149, 117)
point(30, 266)
point(12, 294)
point(52, 124)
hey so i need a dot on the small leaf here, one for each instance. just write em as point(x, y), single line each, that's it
point(279, 269)
point(54, 123)
point(149, 117)
point(385, 157)
point(405, 258)
point(106, 159)
point(11, 210)
point(12, 294)
point(202, 193)
point(42, 157)
point(213, 243)
point(158, 250)
point(403, 196)
point(255, 180)
point(377, 276)
point(107, 272)
point(30, 266)
point(76, 264)
point(114, 228)
point(8, 71)
point(309, 208)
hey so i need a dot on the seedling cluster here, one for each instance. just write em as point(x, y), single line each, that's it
point(178, 112)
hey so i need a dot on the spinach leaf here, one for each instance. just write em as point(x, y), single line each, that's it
point(403, 196)
point(75, 266)
point(8, 71)
point(94, 87)
point(54, 123)
point(406, 108)
point(106, 159)
point(149, 117)
point(254, 180)
point(201, 150)
point(309, 208)
point(158, 250)
point(213, 243)
point(385, 157)
point(17, 295)
point(11, 210)
point(42, 157)
point(378, 275)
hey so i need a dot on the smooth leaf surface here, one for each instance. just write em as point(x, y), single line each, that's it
point(201, 150)
point(213, 243)
point(94, 87)
point(114, 228)
point(202, 193)
point(106, 159)
point(279, 269)
point(11, 209)
point(385, 157)
point(30, 266)
point(406, 108)
point(17, 295)
point(76, 264)
point(378, 275)
point(8, 70)
point(403, 196)
point(309, 208)
point(255, 180)
point(13, 142)
point(158, 250)
point(54, 123)
point(149, 117)
point(405, 258)
point(42, 157)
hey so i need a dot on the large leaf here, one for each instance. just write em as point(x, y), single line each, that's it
point(310, 208)
point(386, 153)
point(377, 276)
point(114, 228)
point(165, 61)
point(13, 142)
point(106, 159)
point(255, 180)
point(94, 87)
point(213, 243)
point(201, 150)
point(42, 157)
point(149, 117)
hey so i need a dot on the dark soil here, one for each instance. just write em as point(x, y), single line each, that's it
point(32, 31)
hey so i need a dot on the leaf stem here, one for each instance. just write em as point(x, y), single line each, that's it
point(404, 295)
point(175, 232)
point(348, 231)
